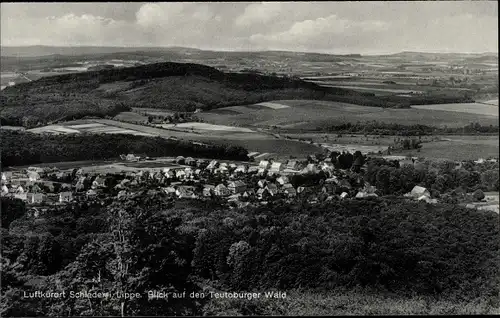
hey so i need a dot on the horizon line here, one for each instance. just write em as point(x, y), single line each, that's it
point(242, 51)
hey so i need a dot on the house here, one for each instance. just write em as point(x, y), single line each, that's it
point(292, 165)
point(234, 197)
point(38, 170)
point(180, 174)
point(197, 172)
point(91, 194)
point(222, 170)
point(20, 196)
point(36, 189)
point(33, 176)
point(19, 190)
point(241, 168)
point(133, 183)
point(200, 163)
point(190, 161)
point(237, 186)
point(221, 190)
point(252, 154)
point(65, 197)
point(264, 164)
point(208, 190)
point(301, 189)
point(189, 172)
point(253, 169)
point(277, 167)
point(169, 190)
point(131, 157)
point(427, 199)
point(272, 188)
point(283, 180)
point(262, 183)
point(289, 190)
point(363, 194)
point(99, 182)
point(185, 192)
point(212, 165)
point(248, 193)
point(332, 180)
point(419, 191)
point(326, 166)
point(33, 198)
point(169, 173)
point(344, 195)
point(311, 168)
point(6, 176)
point(345, 184)
point(328, 188)
point(263, 193)
point(123, 184)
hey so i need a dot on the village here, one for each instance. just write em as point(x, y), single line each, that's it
point(240, 185)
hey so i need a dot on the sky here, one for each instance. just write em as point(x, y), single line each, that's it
point(327, 27)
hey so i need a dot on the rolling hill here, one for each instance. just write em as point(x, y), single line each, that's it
point(173, 86)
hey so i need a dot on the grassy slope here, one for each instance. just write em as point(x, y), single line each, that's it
point(309, 114)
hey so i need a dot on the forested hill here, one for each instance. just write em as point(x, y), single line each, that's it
point(174, 86)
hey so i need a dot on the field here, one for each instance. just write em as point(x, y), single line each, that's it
point(85, 126)
point(471, 108)
point(205, 127)
point(460, 148)
point(310, 114)
point(131, 117)
point(253, 141)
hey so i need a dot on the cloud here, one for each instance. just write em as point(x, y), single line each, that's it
point(320, 31)
point(157, 14)
point(259, 13)
point(467, 26)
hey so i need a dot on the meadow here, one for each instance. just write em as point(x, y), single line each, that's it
point(471, 108)
point(205, 133)
point(459, 148)
point(311, 114)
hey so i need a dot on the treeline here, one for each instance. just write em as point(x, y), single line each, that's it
point(387, 244)
point(22, 148)
point(441, 178)
point(382, 128)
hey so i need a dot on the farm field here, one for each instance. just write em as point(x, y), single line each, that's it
point(131, 117)
point(152, 111)
point(251, 140)
point(471, 108)
point(204, 127)
point(309, 114)
point(459, 148)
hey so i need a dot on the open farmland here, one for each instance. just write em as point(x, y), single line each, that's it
point(459, 148)
point(203, 127)
point(251, 140)
point(471, 108)
point(309, 115)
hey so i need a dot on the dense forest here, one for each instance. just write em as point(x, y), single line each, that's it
point(174, 86)
point(23, 148)
point(149, 242)
point(382, 128)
